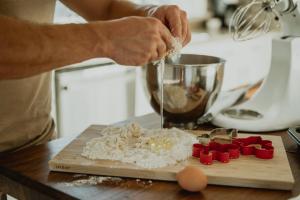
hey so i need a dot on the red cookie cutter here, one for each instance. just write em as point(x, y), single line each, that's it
point(215, 151)
point(255, 145)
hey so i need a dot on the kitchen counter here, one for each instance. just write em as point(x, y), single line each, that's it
point(25, 175)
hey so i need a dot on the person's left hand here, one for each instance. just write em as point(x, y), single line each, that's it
point(174, 18)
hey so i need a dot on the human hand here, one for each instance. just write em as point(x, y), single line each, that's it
point(174, 18)
point(135, 40)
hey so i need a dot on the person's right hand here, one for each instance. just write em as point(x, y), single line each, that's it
point(135, 41)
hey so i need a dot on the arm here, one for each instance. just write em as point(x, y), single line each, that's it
point(171, 16)
point(93, 10)
point(129, 40)
point(41, 48)
point(28, 49)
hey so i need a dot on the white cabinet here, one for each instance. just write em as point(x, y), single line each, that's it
point(93, 95)
point(142, 105)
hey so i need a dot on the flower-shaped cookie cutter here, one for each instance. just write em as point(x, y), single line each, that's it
point(215, 151)
point(216, 145)
point(255, 145)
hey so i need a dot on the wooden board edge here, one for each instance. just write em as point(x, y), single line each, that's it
point(170, 176)
point(117, 172)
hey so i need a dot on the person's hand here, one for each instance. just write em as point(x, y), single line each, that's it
point(135, 40)
point(174, 18)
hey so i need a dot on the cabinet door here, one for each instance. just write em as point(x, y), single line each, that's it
point(98, 95)
point(142, 99)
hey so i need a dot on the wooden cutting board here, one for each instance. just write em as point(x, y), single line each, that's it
point(247, 171)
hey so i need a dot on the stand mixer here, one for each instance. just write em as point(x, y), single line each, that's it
point(276, 105)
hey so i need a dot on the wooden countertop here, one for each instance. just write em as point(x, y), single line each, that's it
point(25, 175)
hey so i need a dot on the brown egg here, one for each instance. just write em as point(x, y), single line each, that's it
point(192, 179)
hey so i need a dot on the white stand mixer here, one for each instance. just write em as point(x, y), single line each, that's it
point(276, 105)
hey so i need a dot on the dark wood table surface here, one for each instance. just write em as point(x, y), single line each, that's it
point(25, 175)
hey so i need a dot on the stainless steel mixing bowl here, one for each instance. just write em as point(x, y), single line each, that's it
point(191, 85)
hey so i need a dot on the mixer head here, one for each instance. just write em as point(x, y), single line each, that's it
point(253, 19)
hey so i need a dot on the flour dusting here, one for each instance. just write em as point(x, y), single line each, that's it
point(146, 148)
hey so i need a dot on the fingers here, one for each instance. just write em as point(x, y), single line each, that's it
point(161, 50)
point(161, 39)
point(188, 36)
point(166, 37)
point(177, 22)
point(186, 33)
point(154, 56)
point(174, 21)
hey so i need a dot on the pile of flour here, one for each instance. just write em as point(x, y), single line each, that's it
point(146, 148)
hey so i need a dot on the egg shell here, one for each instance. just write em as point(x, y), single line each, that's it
point(192, 179)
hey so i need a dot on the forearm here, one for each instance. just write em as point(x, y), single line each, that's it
point(28, 49)
point(93, 10)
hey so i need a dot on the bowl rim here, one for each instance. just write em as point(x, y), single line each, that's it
point(221, 61)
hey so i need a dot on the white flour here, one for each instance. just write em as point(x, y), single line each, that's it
point(146, 148)
point(93, 180)
point(162, 74)
point(174, 53)
point(174, 56)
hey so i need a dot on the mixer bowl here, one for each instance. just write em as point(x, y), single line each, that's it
point(191, 85)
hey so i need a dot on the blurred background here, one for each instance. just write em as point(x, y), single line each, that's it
point(99, 91)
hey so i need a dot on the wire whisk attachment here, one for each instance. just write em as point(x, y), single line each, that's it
point(252, 20)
